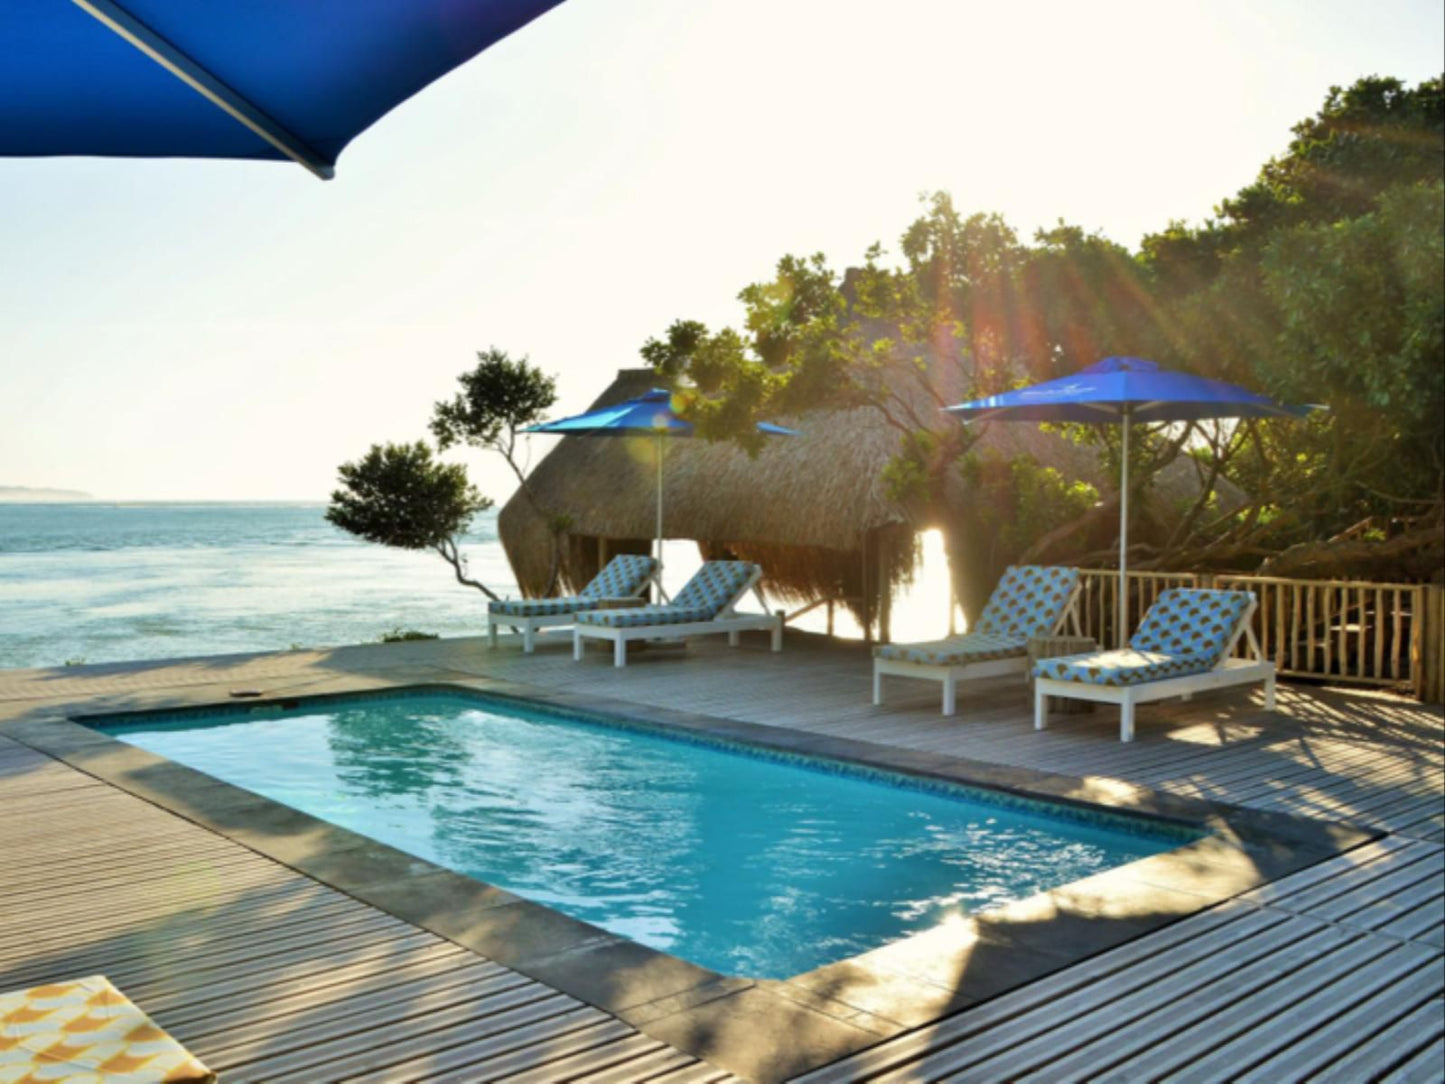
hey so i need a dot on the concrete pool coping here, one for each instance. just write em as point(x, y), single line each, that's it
point(764, 1029)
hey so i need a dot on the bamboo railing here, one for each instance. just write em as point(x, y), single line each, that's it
point(1342, 630)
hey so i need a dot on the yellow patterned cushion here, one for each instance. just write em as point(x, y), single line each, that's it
point(86, 1032)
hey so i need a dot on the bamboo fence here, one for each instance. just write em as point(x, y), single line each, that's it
point(1342, 630)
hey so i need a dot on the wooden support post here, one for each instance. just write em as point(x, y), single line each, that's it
point(867, 595)
point(885, 591)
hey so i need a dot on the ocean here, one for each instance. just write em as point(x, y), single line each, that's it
point(101, 582)
point(98, 582)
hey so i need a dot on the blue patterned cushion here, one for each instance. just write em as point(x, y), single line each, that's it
point(955, 651)
point(625, 575)
point(539, 607)
point(645, 615)
point(1028, 601)
point(1192, 623)
point(716, 585)
point(1126, 667)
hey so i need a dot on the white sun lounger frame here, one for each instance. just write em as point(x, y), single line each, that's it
point(726, 621)
point(969, 671)
point(530, 625)
point(1228, 671)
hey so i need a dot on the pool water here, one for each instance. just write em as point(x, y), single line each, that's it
point(747, 864)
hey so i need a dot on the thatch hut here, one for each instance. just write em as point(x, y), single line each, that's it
point(811, 509)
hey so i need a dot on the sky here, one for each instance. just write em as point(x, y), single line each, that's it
point(174, 330)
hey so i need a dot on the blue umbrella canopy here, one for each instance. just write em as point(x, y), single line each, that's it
point(277, 79)
point(1125, 390)
point(651, 414)
point(1114, 388)
point(647, 415)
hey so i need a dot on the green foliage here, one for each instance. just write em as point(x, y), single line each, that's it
point(400, 635)
point(499, 397)
point(907, 476)
point(1023, 500)
point(1321, 282)
point(669, 357)
point(77, 660)
point(400, 495)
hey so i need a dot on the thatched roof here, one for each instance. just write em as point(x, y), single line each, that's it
point(803, 507)
point(715, 491)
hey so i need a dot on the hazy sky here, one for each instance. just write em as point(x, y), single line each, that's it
point(179, 329)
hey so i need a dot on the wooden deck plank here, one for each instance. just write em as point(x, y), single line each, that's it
point(335, 1044)
point(1423, 1068)
point(1071, 1043)
point(265, 974)
point(1357, 1029)
point(625, 1053)
point(1108, 1036)
point(908, 1053)
point(1281, 1030)
point(1365, 758)
point(1219, 1016)
point(477, 1055)
point(1395, 1046)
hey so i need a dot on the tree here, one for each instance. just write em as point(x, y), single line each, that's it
point(1319, 282)
point(400, 495)
point(500, 397)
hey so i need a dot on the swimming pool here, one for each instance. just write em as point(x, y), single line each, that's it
point(740, 860)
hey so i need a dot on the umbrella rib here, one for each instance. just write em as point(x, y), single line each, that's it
point(126, 26)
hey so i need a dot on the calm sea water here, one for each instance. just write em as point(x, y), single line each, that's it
point(121, 582)
point(116, 582)
point(741, 864)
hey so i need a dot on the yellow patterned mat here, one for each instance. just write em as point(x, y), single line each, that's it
point(87, 1032)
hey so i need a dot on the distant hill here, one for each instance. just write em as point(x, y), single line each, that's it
point(25, 493)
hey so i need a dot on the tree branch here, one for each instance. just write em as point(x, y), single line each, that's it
point(447, 547)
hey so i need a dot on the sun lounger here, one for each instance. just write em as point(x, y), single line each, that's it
point(704, 606)
point(1184, 646)
point(1030, 600)
point(621, 583)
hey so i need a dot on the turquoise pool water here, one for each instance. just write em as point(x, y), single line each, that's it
point(757, 865)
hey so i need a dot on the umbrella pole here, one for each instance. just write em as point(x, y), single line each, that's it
point(657, 440)
point(1121, 623)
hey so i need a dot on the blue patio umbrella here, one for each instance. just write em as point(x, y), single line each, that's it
point(1125, 390)
point(647, 415)
point(277, 79)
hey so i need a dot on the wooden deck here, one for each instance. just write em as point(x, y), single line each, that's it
point(265, 974)
point(1334, 973)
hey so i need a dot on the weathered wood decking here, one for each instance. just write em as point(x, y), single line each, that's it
point(1333, 973)
point(263, 973)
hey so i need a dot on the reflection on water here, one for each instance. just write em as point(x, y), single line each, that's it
point(742, 865)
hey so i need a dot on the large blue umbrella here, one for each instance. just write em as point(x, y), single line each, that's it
point(279, 79)
point(1126, 390)
point(649, 415)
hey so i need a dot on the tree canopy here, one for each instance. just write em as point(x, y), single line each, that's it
point(401, 495)
point(1322, 281)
